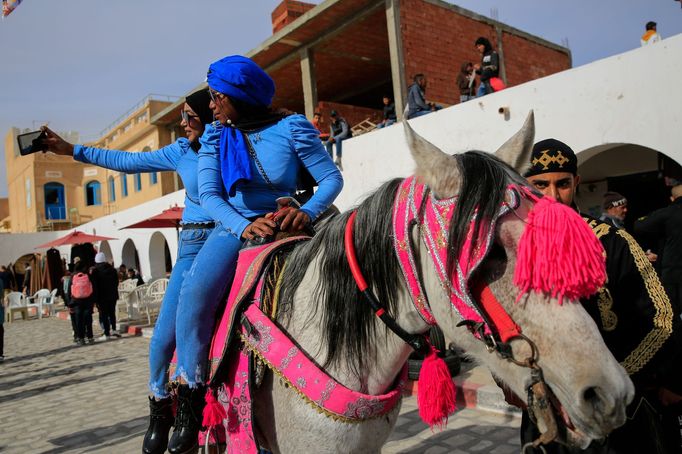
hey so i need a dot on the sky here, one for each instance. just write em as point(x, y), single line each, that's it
point(80, 64)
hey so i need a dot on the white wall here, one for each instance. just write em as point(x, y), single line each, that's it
point(14, 245)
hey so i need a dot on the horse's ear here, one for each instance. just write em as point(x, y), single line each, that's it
point(517, 150)
point(436, 169)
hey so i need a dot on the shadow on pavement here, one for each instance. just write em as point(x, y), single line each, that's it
point(26, 393)
point(8, 385)
point(100, 437)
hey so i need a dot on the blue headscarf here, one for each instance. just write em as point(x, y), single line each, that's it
point(239, 78)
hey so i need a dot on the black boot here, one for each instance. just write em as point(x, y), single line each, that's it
point(160, 422)
point(185, 438)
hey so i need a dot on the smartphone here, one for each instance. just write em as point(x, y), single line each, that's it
point(31, 142)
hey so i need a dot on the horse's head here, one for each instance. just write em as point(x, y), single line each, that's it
point(483, 205)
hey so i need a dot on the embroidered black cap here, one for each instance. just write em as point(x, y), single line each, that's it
point(613, 199)
point(551, 155)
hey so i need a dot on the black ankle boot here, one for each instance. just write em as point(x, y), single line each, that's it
point(185, 438)
point(160, 422)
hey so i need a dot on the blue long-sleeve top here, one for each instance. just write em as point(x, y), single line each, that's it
point(282, 149)
point(178, 157)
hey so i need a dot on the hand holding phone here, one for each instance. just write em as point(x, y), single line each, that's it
point(56, 144)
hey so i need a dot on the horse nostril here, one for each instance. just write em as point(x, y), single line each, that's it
point(590, 395)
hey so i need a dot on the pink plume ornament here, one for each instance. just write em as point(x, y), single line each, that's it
point(558, 254)
point(436, 394)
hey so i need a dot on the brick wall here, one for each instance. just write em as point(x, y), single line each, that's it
point(287, 12)
point(352, 114)
point(437, 40)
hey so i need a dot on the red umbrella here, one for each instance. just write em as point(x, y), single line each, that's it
point(75, 237)
point(167, 218)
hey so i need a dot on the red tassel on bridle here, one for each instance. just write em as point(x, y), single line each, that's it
point(436, 393)
point(558, 254)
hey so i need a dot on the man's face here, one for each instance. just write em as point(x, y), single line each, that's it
point(618, 212)
point(480, 48)
point(422, 82)
point(316, 118)
point(386, 101)
point(560, 185)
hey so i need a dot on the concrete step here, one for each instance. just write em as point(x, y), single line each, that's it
point(475, 389)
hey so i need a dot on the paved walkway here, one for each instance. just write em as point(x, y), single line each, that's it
point(56, 397)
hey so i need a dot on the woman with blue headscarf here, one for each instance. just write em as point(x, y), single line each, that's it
point(249, 157)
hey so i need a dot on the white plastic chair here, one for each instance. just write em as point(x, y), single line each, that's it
point(125, 288)
point(16, 302)
point(154, 297)
point(136, 301)
point(48, 302)
point(36, 300)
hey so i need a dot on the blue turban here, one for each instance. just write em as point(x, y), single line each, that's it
point(239, 78)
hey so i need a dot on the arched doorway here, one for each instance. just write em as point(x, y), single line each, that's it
point(106, 249)
point(129, 256)
point(55, 203)
point(641, 174)
point(159, 256)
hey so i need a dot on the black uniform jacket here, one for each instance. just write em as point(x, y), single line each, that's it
point(632, 310)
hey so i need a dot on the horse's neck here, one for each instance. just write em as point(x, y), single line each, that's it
point(392, 352)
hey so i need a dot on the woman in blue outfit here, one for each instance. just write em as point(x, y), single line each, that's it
point(248, 158)
point(181, 157)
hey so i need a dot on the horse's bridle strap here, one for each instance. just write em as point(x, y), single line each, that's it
point(499, 318)
point(417, 341)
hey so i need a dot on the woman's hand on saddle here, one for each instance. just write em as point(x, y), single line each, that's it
point(290, 219)
point(261, 227)
point(56, 144)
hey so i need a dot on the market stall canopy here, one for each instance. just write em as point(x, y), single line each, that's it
point(75, 237)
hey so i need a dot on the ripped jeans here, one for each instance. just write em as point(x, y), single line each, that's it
point(162, 344)
point(186, 325)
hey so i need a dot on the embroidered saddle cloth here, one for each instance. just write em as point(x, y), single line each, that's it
point(247, 335)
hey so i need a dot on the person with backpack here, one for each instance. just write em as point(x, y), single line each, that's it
point(82, 298)
point(105, 277)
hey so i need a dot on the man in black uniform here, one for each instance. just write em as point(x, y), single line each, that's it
point(632, 312)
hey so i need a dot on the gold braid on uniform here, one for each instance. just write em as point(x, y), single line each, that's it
point(609, 319)
point(663, 319)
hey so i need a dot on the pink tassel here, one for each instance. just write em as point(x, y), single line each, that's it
point(214, 413)
point(436, 395)
point(559, 254)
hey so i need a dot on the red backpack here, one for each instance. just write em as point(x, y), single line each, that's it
point(81, 287)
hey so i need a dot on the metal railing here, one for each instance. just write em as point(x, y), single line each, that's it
point(145, 100)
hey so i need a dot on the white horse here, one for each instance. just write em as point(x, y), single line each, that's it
point(322, 309)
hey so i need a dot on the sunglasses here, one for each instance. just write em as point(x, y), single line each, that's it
point(186, 116)
point(215, 95)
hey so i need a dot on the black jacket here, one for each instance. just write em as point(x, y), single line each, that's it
point(105, 278)
point(633, 311)
point(666, 225)
point(490, 65)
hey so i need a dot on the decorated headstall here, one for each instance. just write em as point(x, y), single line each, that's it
point(416, 206)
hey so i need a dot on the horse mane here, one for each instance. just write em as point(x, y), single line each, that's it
point(347, 319)
point(483, 179)
point(348, 322)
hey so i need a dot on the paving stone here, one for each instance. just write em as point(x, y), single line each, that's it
point(92, 399)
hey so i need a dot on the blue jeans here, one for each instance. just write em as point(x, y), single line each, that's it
point(163, 341)
point(419, 113)
point(204, 287)
point(386, 124)
point(339, 147)
point(483, 89)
